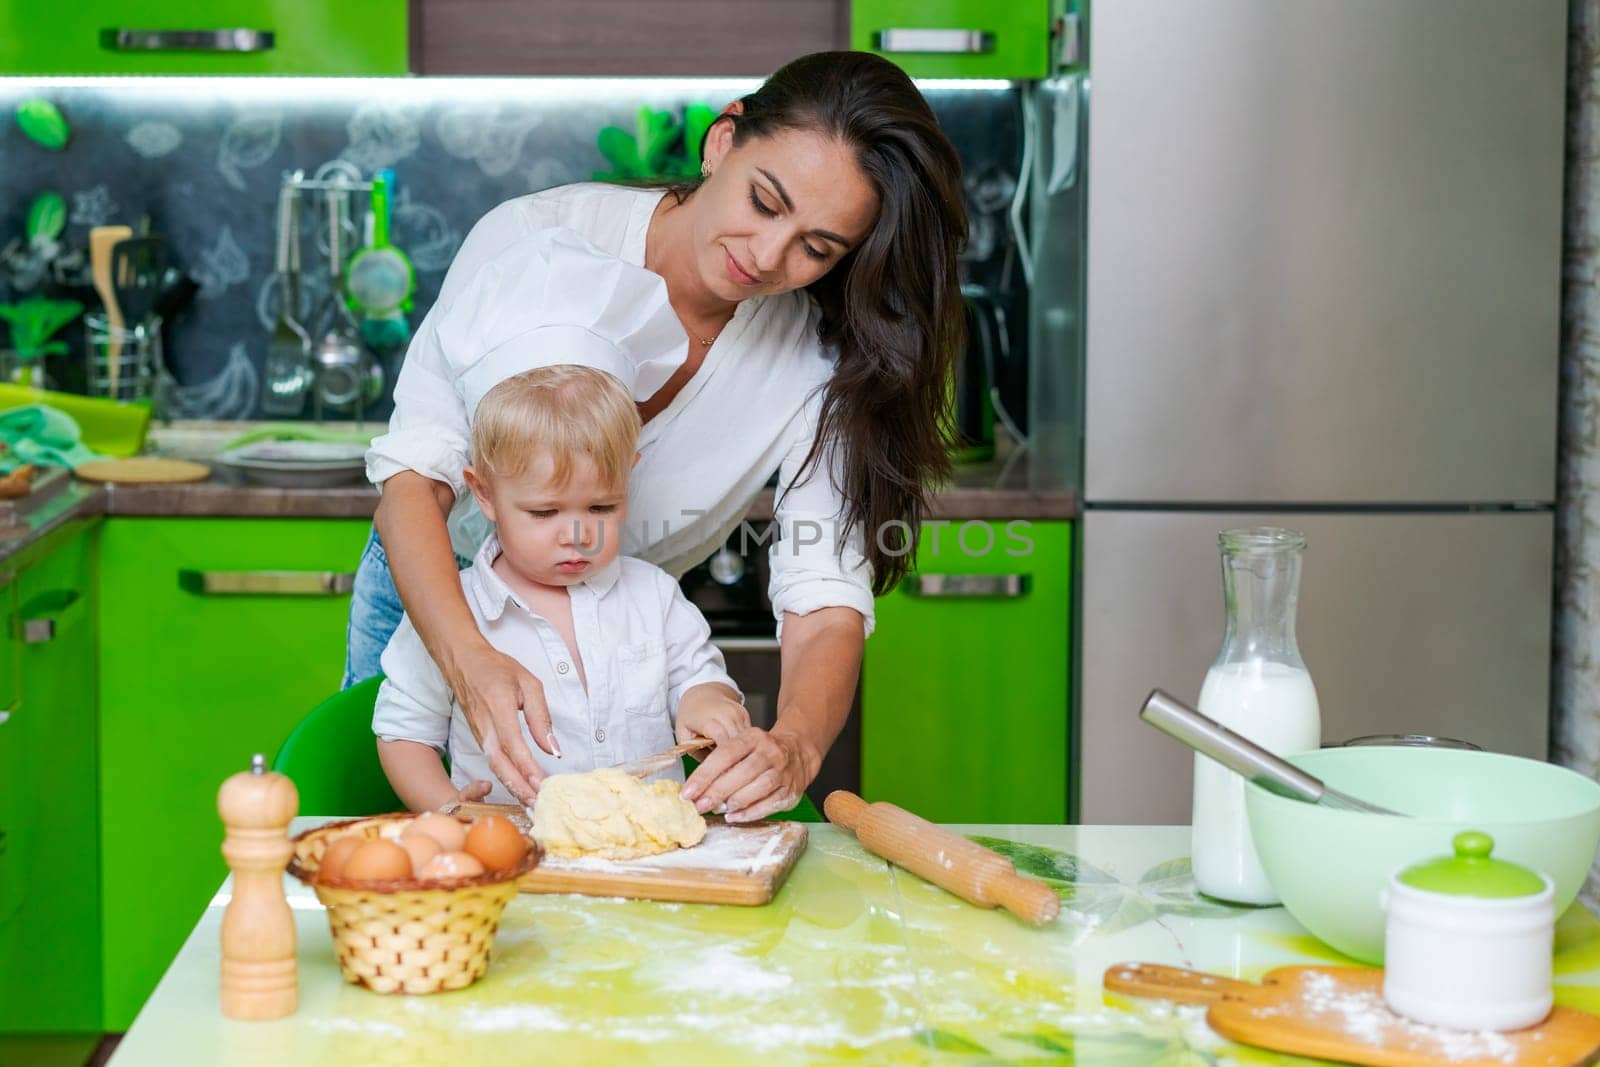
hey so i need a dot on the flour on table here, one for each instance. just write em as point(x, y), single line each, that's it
point(724, 848)
point(1363, 1016)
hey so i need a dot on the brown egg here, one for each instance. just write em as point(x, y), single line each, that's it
point(337, 854)
point(377, 861)
point(450, 832)
point(421, 848)
point(495, 841)
point(451, 865)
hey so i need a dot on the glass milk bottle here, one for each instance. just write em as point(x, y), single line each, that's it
point(1259, 687)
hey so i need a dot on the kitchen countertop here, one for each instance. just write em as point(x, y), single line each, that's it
point(1003, 488)
point(853, 961)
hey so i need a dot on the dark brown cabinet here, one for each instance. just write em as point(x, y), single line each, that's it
point(621, 37)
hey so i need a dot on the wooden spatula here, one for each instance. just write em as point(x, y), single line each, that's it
point(1338, 1013)
point(666, 760)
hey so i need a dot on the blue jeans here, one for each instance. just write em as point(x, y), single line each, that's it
point(375, 613)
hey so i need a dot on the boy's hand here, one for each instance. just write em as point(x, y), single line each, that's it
point(716, 715)
point(474, 791)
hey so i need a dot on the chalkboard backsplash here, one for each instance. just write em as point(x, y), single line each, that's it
point(202, 160)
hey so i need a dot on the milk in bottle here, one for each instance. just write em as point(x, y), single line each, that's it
point(1259, 687)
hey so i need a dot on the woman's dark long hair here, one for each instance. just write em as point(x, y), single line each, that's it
point(892, 307)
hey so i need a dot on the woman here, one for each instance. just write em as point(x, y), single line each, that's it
point(814, 271)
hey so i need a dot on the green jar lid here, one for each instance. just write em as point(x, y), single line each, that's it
point(1471, 873)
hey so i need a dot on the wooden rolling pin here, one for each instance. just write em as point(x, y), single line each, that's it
point(973, 873)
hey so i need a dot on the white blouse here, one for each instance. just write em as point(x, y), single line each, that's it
point(751, 409)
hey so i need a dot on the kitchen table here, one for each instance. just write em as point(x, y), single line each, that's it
point(854, 961)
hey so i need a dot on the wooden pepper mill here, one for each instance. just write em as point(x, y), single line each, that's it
point(258, 939)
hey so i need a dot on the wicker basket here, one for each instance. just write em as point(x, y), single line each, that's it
point(407, 935)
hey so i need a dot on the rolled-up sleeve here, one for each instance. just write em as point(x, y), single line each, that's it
point(428, 432)
point(414, 703)
point(814, 564)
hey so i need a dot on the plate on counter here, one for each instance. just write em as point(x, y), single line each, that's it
point(298, 464)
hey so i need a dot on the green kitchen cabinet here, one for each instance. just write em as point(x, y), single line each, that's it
point(216, 37)
point(218, 636)
point(956, 38)
point(964, 703)
point(49, 809)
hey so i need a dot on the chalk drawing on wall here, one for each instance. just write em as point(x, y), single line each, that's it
point(152, 140)
point(93, 207)
point(249, 141)
point(550, 172)
point(221, 266)
point(231, 394)
point(381, 135)
point(430, 240)
point(492, 140)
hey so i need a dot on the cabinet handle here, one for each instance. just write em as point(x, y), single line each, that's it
point(944, 42)
point(266, 583)
point(235, 40)
point(946, 586)
point(39, 615)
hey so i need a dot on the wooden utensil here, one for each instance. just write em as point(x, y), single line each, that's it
point(744, 865)
point(970, 871)
point(1338, 1013)
point(665, 760)
point(101, 239)
point(142, 470)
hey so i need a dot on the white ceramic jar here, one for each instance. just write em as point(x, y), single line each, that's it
point(1469, 941)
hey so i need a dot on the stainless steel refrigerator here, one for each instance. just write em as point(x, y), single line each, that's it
point(1323, 280)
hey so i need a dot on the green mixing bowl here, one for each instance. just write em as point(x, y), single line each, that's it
point(1329, 866)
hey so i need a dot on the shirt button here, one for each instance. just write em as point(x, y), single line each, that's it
point(600, 735)
point(562, 668)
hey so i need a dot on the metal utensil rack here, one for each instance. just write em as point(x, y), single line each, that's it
point(341, 386)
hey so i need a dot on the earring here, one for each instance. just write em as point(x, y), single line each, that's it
point(705, 168)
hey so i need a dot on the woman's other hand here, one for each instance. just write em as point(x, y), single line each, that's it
point(497, 694)
point(753, 774)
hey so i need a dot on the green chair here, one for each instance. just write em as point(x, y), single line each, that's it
point(332, 757)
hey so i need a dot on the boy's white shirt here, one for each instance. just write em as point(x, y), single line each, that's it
point(642, 643)
point(751, 410)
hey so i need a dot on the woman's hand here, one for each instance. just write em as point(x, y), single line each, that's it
point(492, 689)
point(753, 774)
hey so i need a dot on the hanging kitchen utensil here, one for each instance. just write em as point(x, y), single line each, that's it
point(101, 240)
point(381, 278)
point(288, 371)
point(1244, 757)
point(342, 367)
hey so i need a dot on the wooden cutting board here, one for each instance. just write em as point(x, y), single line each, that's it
point(1338, 1013)
point(743, 864)
point(142, 470)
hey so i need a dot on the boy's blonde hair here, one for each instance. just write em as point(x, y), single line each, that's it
point(569, 411)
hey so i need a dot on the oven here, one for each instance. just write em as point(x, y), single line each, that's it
point(730, 589)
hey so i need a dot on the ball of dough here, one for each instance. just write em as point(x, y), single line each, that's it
point(615, 815)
